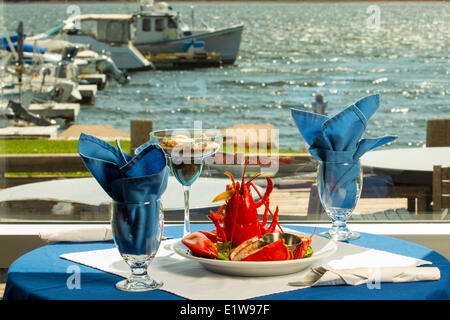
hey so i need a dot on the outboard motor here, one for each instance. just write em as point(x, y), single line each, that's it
point(69, 52)
point(65, 68)
point(107, 66)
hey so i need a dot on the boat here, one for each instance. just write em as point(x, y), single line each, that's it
point(100, 33)
point(154, 29)
point(160, 29)
point(63, 55)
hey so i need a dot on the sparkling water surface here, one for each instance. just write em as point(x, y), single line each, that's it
point(289, 52)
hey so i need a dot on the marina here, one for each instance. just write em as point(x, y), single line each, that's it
point(51, 74)
point(243, 133)
point(279, 67)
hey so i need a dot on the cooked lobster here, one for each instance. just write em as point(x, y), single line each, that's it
point(237, 222)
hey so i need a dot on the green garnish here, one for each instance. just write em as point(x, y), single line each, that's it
point(223, 250)
point(308, 253)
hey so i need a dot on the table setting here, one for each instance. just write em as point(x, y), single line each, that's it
point(42, 273)
point(237, 255)
point(181, 276)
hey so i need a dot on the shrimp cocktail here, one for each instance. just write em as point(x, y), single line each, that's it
point(186, 150)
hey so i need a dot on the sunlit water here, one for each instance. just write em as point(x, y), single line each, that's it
point(289, 52)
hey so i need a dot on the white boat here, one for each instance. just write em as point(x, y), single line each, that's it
point(154, 28)
point(65, 55)
point(40, 81)
point(100, 33)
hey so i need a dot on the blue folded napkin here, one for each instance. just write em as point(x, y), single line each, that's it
point(337, 141)
point(127, 179)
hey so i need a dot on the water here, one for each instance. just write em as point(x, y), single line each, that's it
point(289, 52)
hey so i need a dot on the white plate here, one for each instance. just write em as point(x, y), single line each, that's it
point(322, 248)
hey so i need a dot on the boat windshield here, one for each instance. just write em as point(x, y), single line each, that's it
point(53, 31)
point(116, 31)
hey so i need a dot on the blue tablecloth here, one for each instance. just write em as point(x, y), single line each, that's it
point(41, 274)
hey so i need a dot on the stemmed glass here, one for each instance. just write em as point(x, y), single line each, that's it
point(339, 186)
point(137, 230)
point(186, 150)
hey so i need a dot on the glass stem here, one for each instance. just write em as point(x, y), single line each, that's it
point(339, 225)
point(187, 228)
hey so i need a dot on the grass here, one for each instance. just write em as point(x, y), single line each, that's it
point(37, 146)
point(41, 146)
point(24, 146)
point(47, 146)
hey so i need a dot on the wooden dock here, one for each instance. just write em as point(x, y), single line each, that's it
point(88, 92)
point(31, 132)
point(167, 61)
point(51, 110)
point(97, 79)
point(103, 131)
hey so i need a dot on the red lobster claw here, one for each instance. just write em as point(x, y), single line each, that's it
point(200, 245)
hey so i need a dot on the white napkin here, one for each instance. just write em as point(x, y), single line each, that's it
point(188, 279)
point(86, 234)
point(354, 267)
point(322, 276)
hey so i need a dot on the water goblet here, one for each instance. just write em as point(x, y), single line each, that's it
point(137, 230)
point(339, 186)
point(186, 151)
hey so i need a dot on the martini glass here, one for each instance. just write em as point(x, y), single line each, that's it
point(186, 151)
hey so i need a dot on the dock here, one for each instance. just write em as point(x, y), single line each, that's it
point(88, 93)
point(97, 79)
point(51, 110)
point(31, 132)
point(167, 61)
point(103, 131)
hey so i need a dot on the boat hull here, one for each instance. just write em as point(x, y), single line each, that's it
point(226, 42)
point(125, 56)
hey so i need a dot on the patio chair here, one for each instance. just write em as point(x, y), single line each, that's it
point(441, 188)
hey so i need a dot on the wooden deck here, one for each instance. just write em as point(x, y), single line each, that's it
point(294, 203)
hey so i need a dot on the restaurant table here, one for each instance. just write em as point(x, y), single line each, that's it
point(407, 165)
point(405, 173)
point(42, 274)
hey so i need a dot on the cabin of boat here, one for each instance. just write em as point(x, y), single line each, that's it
point(156, 26)
point(111, 28)
point(105, 33)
